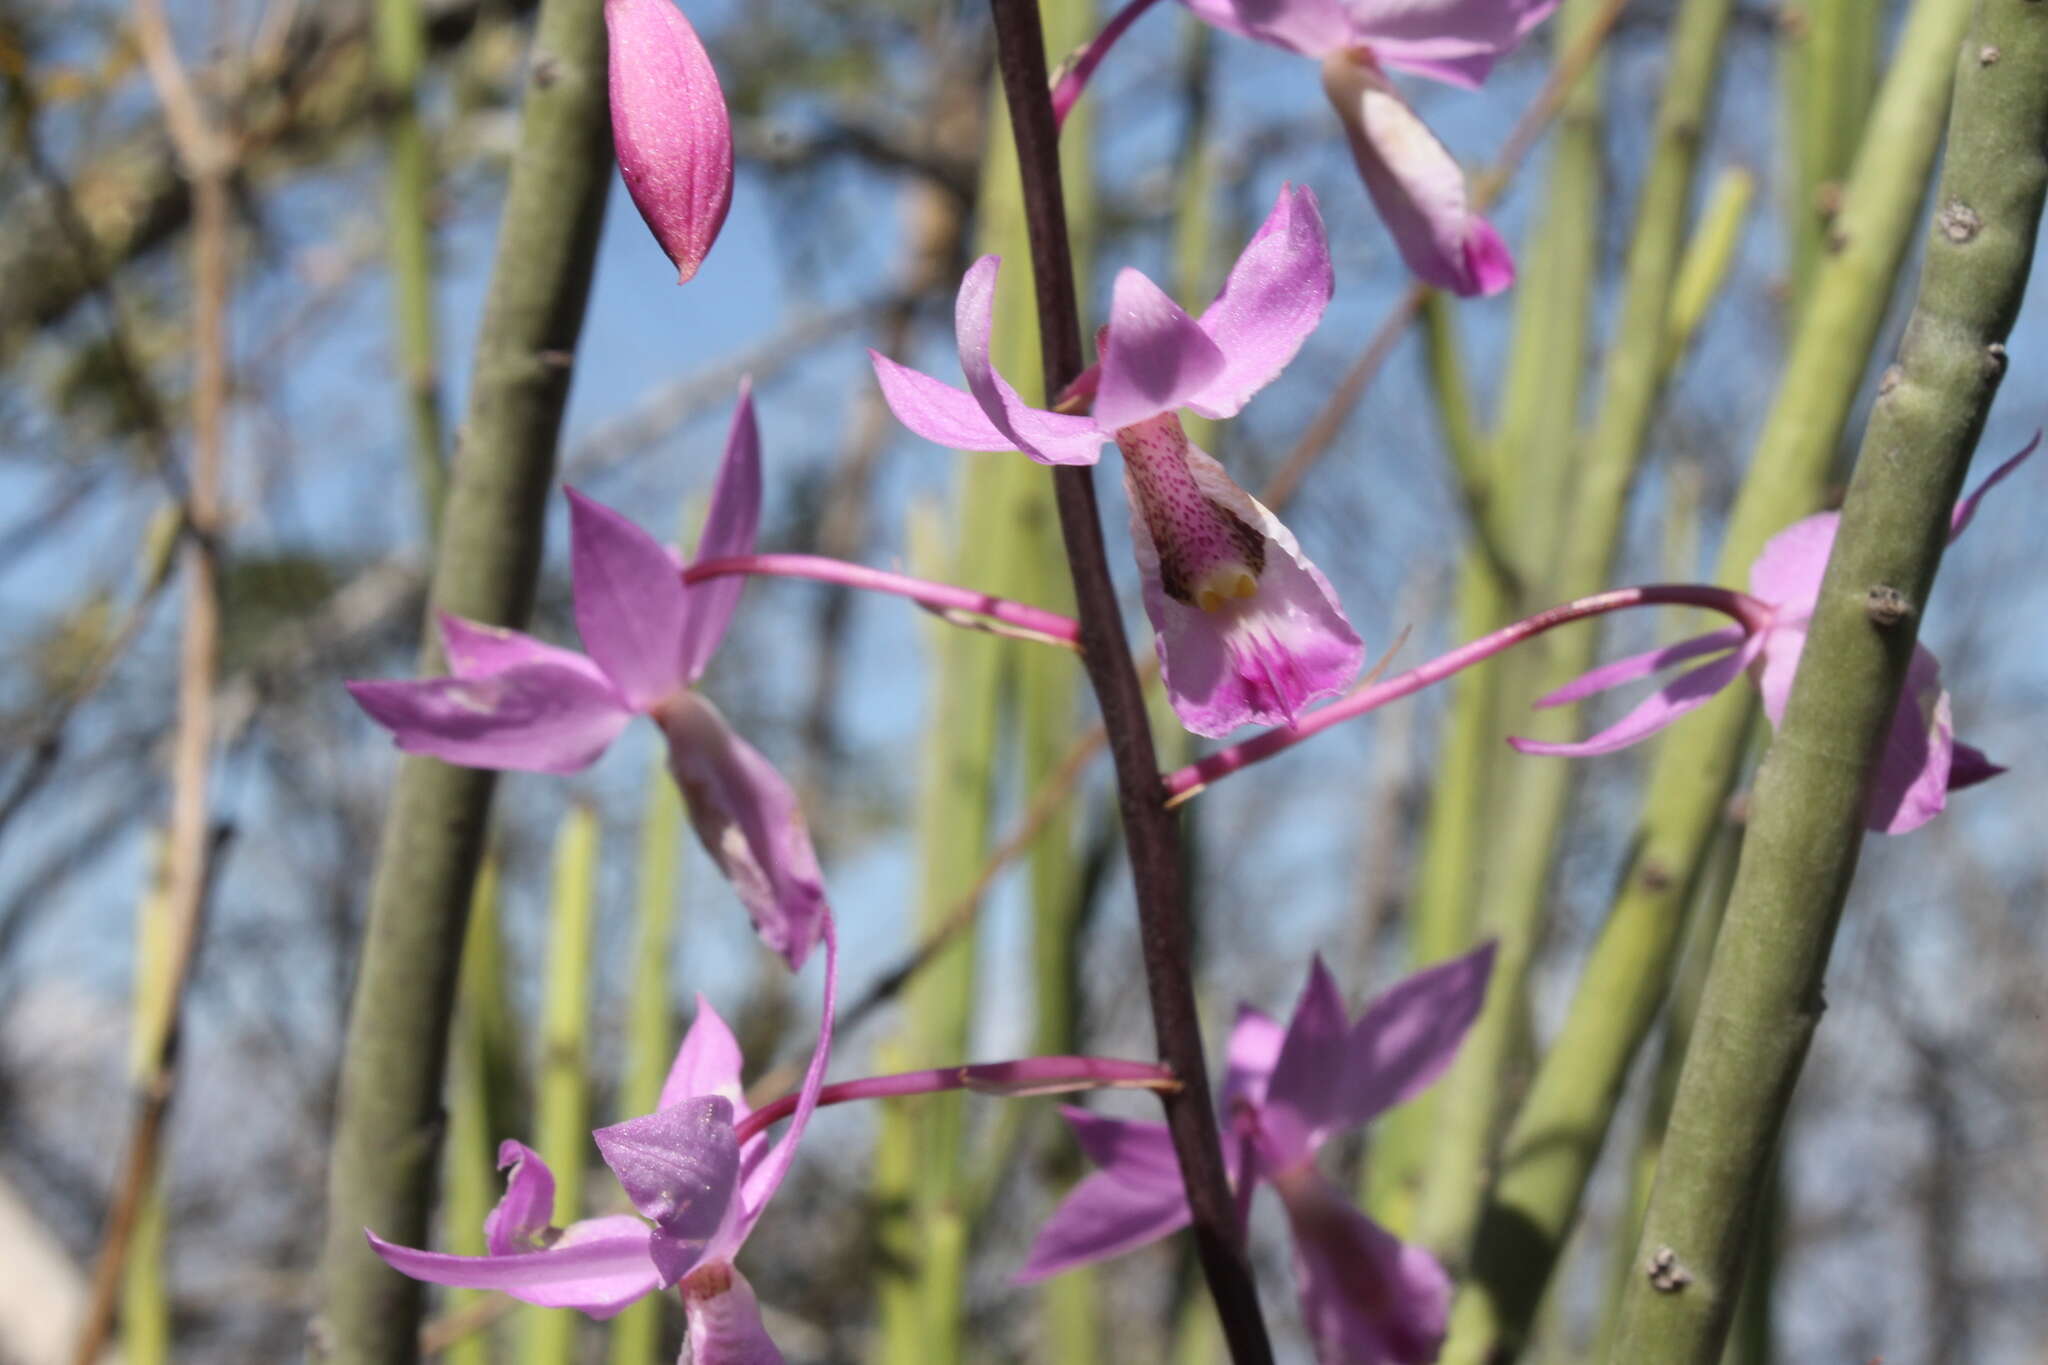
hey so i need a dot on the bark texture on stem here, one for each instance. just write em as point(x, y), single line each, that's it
point(388, 1122)
point(1149, 829)
point(1556, 1136)
point(1763, 991)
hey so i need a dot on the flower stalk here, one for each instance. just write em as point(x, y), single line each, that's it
point(943, 598)
point(1152, 840)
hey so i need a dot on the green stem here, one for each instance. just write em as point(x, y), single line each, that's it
point(1763, 993)
point(1474, 1098)
point(401, 45)
point(481, 1081)
point(387, 1127)
point(1550, 1149)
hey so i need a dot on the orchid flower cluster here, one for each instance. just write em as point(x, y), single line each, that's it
point(1248, 633)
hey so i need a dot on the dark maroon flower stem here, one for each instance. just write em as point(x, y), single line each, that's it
point(1751, 614)
point(1029, 1076)
point(1150, 832)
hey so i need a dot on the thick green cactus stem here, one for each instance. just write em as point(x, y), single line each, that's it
point(387, 1125)
point(1763, 992)
point(1555, 1138)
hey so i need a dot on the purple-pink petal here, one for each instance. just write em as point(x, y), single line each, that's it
point(1154, 356)
point(630, 602)
point(681, 1168)
point(725, 1320)
point(476, 650)
point(1367, 1298)
point(1408, 1035)
point(1301, 1106)
point(1453, 40)
point(1260, 660)
point(599, 1266)
point(522, 1216)
point(707, 1063)
point(1137, 1197)
point(1636, 666)
point(1249, 1056)
point(1968, 765)
point(730, 527)
point(1047, 437)
point(1912, 781)
point(749, 822)
point(1309, 27)
point(669, 127)
point(1966, 510)
point(1415, 183)
point(1274, 297)
point(1789, 570)
point(1687, 692)
point(544, 717)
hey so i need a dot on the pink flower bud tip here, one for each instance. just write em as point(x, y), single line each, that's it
point(670, 127)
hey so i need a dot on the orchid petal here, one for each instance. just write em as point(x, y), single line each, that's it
point(1273, 299)
point(1966, 510)
point(681, 1168)
point(761, 1182)
point(543, 717)
point(1636, 666)
point(1309, 27)
point(1301, 1107)
point(1047, 437)
point(1154, 356)
point(1416, 184)
point(725, 1320)
point(1789, 570)
point(1257, 661)
point(1254, 1047)
point(1968, 765)
point(1408, 1035)
point(936, 411)
point(599, 1266)
point(1912, 781)
point(476, 650)
point(748, 820)
point(1137, 1197)
point(524, 1213)
point(670, 127)
point(1452, 40)
point(1686, 692)
point(707, 1063)
point(730, 527)
point(1365, 1295)
point(631, 605)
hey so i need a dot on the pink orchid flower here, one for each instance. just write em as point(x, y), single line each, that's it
point(1366, 1297)
point(1249, 632)
point(512, 702)
point(1415, 182)
point(670, 127)
point(1922, 760)
point(700, 1186)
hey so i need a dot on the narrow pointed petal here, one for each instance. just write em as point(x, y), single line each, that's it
point(1966, 510)
point(1137, 1197)
point(749, 822)
point(1912, 782)
point(543, 718)
point(476, 650)
point(1636, 666)
point(1686, 692)
point(1366, 1297)
point(1416, 184)
point(630, 602)
point(1273, 299)
point(1301, 1107)
point(599, 1266)
point(1249, 1057)
point(730, 528)
point(1408, 1035)
point(681, 1168)
point(1155, 357)
point(1968, 765)
point(1789, 570)
point(725, 1320)
point(1047, 437)
point(522, 1215)
point(1310, 27)
point(1257, 660)
point(707, 1063)
point(670, 127)
point(761, 1181)
point(937, 411)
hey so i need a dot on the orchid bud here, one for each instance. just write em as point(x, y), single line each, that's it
point(670, 127)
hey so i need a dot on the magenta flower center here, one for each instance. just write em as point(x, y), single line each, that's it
point(1208, 556)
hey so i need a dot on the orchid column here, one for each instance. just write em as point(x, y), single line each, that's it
point(1148, 828)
